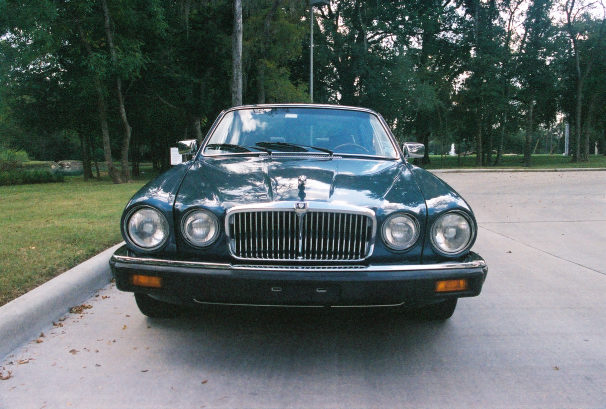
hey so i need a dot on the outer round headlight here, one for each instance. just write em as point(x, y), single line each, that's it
point(147, 228)
point(452, 233)
point(400, 231)
point(200, 228)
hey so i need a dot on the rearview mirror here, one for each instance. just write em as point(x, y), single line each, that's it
point(413, 150)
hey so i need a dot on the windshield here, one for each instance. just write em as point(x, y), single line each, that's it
point(317, 130)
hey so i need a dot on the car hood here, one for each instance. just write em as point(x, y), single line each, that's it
point(226, 182)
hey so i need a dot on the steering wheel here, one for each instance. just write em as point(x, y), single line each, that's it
point(351, 147)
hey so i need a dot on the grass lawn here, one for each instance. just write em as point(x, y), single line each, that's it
point(515, 161)
point(47, 229)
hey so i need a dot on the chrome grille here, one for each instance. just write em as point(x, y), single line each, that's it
point(283, 234)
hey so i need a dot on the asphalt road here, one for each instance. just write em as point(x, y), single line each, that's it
point(535, 337)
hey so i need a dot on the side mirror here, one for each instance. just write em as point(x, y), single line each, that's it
point(184, 151)
point(413, 150)
point(187, 147)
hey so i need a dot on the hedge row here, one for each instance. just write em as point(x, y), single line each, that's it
point(12, 159)
point(24, 176)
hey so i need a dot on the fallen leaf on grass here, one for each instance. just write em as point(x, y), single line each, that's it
point(79, 309)
point(6, 377)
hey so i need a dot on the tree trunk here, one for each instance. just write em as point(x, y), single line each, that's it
point(135, 160)
point(127, 128)
point(264, 46)
point(423, 130)
point(489, 150)
point(261, 82)
point(478, 140)
point(499, 157)
point(92, 154)
point(236, 89)
point(577, 128)
point(589, 119)
point(86, 163)
point(528, 136)
point(102, 110)
point(107, 150)
point(536, 145)
point(196, 124)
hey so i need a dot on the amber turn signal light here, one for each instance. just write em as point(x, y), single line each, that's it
point(446, 286)
point(146, 281)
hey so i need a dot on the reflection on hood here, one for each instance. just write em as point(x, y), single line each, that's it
point(245, 180)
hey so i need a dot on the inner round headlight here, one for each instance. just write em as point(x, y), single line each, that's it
point(400, 231)
point(200, 228)
point(451, 233)
point(147, 228)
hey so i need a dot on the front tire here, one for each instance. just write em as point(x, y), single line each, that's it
point(156, 309)
point(440, 311)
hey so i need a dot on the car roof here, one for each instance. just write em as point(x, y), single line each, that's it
point(301, 105)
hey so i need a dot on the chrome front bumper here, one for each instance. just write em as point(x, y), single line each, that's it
point(336, 285)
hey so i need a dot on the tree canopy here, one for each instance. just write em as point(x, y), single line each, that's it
point(118, 80)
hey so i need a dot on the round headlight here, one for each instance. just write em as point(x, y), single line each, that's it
point(452, 233)
point(200, 228)
point(400, 231)
point(147, 228)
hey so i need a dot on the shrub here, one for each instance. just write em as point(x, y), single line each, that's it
point(22, 177)
point(12, 159)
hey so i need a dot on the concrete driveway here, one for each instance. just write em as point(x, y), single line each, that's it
point(535, 337)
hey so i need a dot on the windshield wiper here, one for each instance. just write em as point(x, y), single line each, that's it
point(294, 146)
point(230, 147)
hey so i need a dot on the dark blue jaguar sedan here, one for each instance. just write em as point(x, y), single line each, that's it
point(299, 205)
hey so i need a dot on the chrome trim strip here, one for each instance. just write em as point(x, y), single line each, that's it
point(370, 305)
point(298, 306)
point(475, 262)
point(255, 305)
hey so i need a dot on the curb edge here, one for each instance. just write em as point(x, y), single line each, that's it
point(24, 317)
